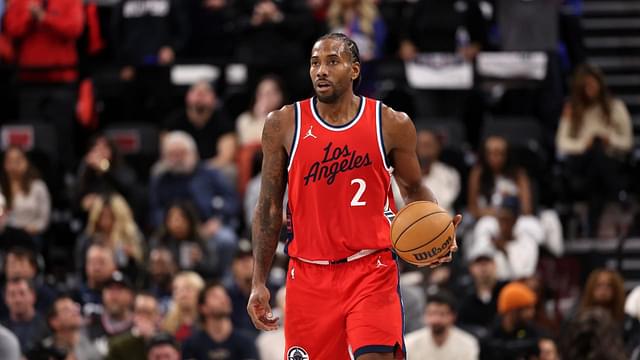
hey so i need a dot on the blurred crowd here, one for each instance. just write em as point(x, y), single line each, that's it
point(130, 133)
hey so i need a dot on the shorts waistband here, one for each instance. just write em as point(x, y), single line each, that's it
point(359, 255)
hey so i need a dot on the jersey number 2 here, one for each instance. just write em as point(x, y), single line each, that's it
point(362, 186)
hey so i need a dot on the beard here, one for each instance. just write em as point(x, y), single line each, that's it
point(438, 329)
point(328, 99)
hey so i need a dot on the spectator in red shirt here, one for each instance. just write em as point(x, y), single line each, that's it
point(46, 34)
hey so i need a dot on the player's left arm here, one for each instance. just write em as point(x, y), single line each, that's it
point(400, 139)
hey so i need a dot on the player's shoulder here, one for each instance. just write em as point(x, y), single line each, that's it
point(393, 117)
point(281, 119)
point(397, 126)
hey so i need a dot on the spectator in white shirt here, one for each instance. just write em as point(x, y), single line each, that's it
point(442, 179)
point(512, 239)
point(441, 340)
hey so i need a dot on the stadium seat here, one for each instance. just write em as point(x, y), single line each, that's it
point(138, 143)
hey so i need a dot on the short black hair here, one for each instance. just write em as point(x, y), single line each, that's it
point(351, 46)
point(22, 252)
point(202, 297)
point(53, 311)
point(161, 339)
point(443, 297)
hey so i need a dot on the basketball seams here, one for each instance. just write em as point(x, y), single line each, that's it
point(428, 242)
point(413, 223)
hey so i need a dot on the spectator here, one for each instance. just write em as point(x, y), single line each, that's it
point(515, 21)
point(514, 336)
point(512, 240)
point(21, 263)
point(362, 21)
point(239, 288)
point(548, 349)
point(182, 317)
point(441, 339)
point(146, 324)
point(99, 267)
point(27, 197)
point(68, 339)
point(47, 58)
point(9, 346)
point(440, 26)
point(218, 337)
point(103, 171)
point(116, 318)
point(180, 235)
point(495, 178)
point(271, 344)
point(604, 289)
point(111, 223)
point(163, 347)
point(147, 38)
point(209, 125)
point(11, 237)
point(273, 32)
point(162, 268)
point(182, 177)
point(439, 177)
point(595, 135)
point(479, 306)
point(269, 96)
point(213, 35)
point(148, 33)
point(24, 321)
point(593, 334)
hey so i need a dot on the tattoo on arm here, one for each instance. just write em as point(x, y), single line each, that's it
point(267, 221)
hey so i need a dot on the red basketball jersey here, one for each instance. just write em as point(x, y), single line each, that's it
point(339, 195)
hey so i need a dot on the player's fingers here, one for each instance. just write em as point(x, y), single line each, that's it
point(456, 220)
point(261, 315)
point(454, 246)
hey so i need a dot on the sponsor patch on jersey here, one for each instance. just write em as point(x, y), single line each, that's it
point(297, 353)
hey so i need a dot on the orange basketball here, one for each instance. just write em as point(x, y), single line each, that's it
point(422, 232)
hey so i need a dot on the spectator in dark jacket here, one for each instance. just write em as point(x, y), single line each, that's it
point(513, 336)
point(149, 32)
point(180, 176)
point(148, 36)
point(180, 234)
point(103, 171)
point(213, 36)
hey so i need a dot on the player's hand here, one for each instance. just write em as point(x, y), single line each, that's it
point(260, 310)
point(454, 246)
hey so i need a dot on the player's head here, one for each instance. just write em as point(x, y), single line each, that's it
point(334, 66)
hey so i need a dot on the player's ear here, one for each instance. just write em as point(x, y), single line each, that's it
point(355, 71)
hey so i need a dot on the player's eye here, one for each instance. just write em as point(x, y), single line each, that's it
point(333, 62)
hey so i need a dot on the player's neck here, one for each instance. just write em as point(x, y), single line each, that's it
point(341, 111)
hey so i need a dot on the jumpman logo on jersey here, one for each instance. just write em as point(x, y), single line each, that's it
point(379, 263)
point(309, 133)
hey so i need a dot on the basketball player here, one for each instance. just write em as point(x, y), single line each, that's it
point(336, 152)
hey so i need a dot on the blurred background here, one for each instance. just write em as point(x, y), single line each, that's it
point(130, 136)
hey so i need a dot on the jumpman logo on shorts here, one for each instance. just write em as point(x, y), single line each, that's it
point(379, 263)
point(309, 133)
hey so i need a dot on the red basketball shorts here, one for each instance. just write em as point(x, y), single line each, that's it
point(334, 310)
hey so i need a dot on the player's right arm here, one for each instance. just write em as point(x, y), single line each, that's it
point(267, 220)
